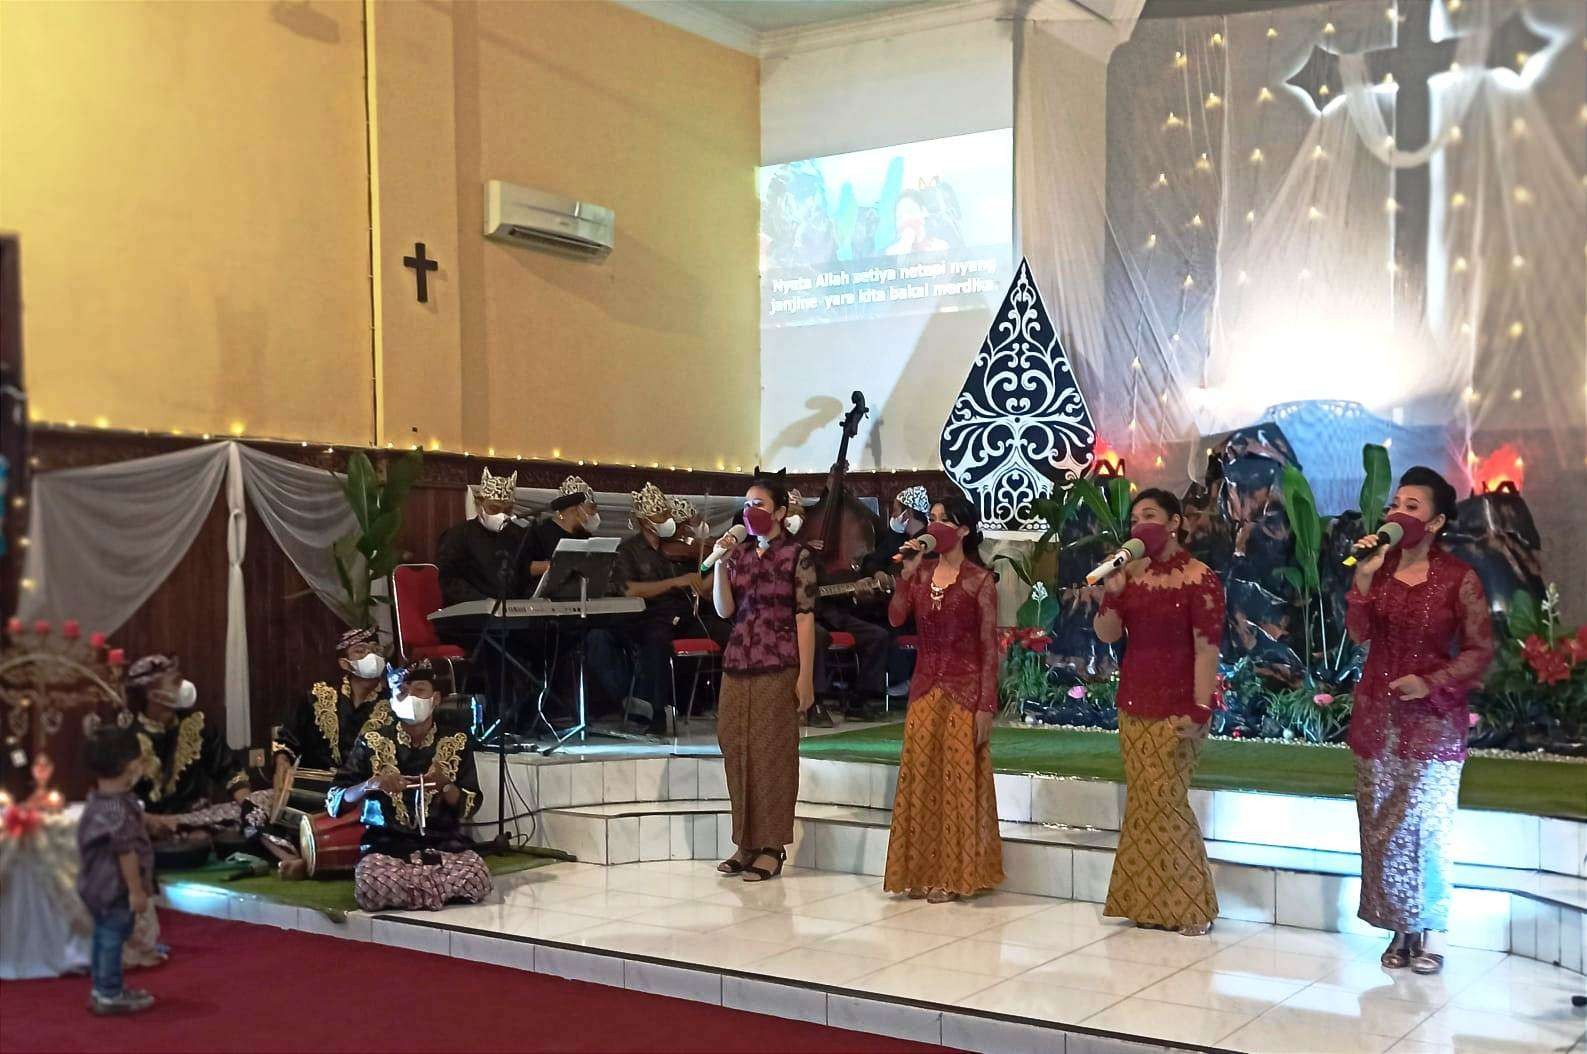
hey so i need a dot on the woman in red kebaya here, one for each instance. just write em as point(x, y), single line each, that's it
point(1424, 616)
point(1170, 607)
point(944, 842)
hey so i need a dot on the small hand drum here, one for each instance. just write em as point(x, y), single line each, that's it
point(330, 843)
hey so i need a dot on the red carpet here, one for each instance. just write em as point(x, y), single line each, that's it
point(236, 987)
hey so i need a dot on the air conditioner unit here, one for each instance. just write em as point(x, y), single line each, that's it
point(533, 217)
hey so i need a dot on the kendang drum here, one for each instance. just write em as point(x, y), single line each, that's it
point(330, 843)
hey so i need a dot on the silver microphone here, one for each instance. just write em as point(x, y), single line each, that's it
point(1133, 549)
point(1388, 537)
point(739, 533)
point(925, 543)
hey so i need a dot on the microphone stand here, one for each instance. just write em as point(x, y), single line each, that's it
point(502, 843)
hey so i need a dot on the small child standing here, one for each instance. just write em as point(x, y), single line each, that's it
point(116, 877)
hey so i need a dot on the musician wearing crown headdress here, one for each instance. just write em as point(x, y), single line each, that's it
point(476, 558)
point(187, 766)
point(413, 785)
point(574, 514)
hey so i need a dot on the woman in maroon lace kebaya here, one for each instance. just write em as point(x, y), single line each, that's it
point(1424, 618)
point(1170, 606)
point(944, 842)
point(767, 586)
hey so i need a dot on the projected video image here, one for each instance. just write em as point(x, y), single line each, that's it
point(900, 230)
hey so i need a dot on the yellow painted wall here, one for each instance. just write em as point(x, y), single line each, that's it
point(650, 355)
point(189, 184)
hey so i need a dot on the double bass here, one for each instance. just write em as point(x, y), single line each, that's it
point(839, 526)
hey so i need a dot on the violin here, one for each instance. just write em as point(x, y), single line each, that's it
point(842, 524)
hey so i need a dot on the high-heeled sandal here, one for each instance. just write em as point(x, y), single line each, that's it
point(1422, 961)
point(1396, 956)
point(761, 874)
point(941, 896)
point(731, 866)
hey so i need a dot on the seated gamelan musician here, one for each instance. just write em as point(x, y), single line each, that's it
point(863, 613)
point(573, 515)
point(191, 778)
point(475, 560)
point(671, 587)
point(322, 728)
point(413, 786)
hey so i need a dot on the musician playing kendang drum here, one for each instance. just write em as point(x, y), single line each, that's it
point(413, 785)
point(767, 586)
point(945, 842)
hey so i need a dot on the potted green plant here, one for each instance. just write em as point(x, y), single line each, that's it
point(368, 554)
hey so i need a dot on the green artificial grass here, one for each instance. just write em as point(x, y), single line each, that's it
point(330, 895)
point(1542, 788)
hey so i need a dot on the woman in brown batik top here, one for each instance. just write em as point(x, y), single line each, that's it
point(767, 586)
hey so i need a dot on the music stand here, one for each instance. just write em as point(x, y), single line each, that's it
point(580, 568)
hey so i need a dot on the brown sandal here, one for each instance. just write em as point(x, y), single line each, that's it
point(731, 866)
point(1396, 956)
point(761, 874)
point(917, 894)
point(1424, 962)
point(941, 896)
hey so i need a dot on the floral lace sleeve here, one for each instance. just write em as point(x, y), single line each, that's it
point(1465, 670)
point(1206, 609)
point(805, 586)
point(1360, 621)
point(986, 599)
point(902, 606)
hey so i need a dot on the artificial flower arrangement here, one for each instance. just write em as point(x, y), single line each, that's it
point(1538, 681)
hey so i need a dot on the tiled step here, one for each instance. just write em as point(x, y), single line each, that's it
point(1498, 909)
point(1322, 825)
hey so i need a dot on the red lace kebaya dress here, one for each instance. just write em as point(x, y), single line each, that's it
point(757, 721)
point(944, 832)
point(1160, 874)
point(1409, 751)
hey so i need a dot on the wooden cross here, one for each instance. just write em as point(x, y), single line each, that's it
point(421, 266)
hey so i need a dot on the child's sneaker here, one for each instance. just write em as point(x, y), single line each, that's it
point(130, 1001)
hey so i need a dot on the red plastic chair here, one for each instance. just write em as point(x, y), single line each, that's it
point(415, 593)
point(707, 656)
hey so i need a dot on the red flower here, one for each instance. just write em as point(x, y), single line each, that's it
point(97, 640)
point(69, 629)
point(1236, 734)
point(1575, 648)
point(1549, 665)
point(21, 821)
point(1322, 699)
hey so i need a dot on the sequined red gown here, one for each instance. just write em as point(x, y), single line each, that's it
point(1409, 751)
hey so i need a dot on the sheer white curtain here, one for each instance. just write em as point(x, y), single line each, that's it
point(104, 538)
point(1215, 237)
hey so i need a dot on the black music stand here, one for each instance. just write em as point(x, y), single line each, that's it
point(580, 568)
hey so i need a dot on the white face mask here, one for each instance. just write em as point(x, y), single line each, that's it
point(667, 528)
point(186, 696)
point(593, 524)
point(792, 524)
point(369, 666)
point(413, 709)
point(899, 523)
point(493, 521)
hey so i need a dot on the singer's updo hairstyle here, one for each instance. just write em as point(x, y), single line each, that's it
point(958, 510)
point(1163, 500)
point(775, 487)
point(1444, 496)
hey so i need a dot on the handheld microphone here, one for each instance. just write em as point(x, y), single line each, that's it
point(925, 543)
point(739, 533)
point(1388, 537)
point(1131, 550)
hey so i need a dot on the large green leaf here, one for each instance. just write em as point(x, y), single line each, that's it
point(1305, 526)
point(401, 474)
point(1525, 618)
point(380, 532)
point(360, 486)
point(1374, 486)
point(1020, 565)
point(1120, 493)
point(1037, 613)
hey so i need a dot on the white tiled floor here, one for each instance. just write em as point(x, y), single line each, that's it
point(1247, 987)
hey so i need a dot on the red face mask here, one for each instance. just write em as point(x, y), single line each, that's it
point(759, 521)
point(1415, 530)
point(946, 535)
point(1152, 535)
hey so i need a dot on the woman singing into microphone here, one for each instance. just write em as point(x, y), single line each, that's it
point(1426, 619)
point(944, 842)
point(1170, 606)
point(768, 588)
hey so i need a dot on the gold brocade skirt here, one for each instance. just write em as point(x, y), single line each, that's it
point(757, 726)
point(944, 833)
point(1160, 875)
